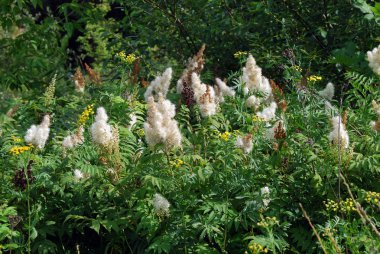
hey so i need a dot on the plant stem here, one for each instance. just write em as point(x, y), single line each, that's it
point(313, 228)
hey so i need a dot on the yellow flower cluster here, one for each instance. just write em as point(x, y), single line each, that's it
point(240, 54)
point(16, 150)
point(177, 163)
point(256, 248)
point(297, 68)
point(130, 58)
point(16, 139)
point(88, 111)
point(225, 136)
point(345, 206)
point(255, 118)
point(329, 231)
point(268, 222)
point(140, 133)
point(314, 78)
point(373, 198)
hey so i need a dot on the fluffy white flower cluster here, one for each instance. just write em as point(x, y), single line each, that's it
point(328, 92)
point(271, 132)
point(159, 85)
point(73, 140)
point(339, 135)
point(265, 192)
point(160, 127)
point(245, 143)
point(376, 125)
point(161, 205)
point(254, 81)
point(374, 60)
point(223, 90)
point(269, 112)
point(204, 96)
point(38, 135)
point(101, 131)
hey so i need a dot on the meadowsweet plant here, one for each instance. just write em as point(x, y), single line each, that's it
point(328, 92)
point(93, 75)
point(160, 127)
point(204, 96)
point(78, 175)
point(269, 112)
point(161, 205)
point(75, 139)
point(184, 84)
point(245, 143)
point(253, 79)
point(239, 164)
point(221, 90)
point(38, 134)
point(101, 131)
point(265, 194)
point(79, 81)
point(159, 85)
point(339, 136)
point(50, 90)
point(374, 60)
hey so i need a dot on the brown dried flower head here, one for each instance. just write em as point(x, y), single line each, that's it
point(136, 70)
point(276, 90)
point(344, 117)
point(195, 65)
point(206, 97)
point(79, 80)
point(283, 105)
point(94, 77)
point(279, 132)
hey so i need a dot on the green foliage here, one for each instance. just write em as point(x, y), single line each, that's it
point(100, 199)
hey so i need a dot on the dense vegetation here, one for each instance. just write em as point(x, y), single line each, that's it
point(111, 141)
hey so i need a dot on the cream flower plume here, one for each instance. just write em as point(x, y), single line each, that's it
point(38, 135)
point(101, 131)
point(159, 85)
point(339, 134)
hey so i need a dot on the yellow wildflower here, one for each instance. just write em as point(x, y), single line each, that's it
point(240, 54)
point(372, 198)
point(177, 163)
point(314, 78)
point(345, 206)
point(130, 58)
point(16, 150)
point(88, 111)
point(256, 248)
point(16, 139)
point(297, 68)
point(140, 132)
point(225, 136)
point(255, 118)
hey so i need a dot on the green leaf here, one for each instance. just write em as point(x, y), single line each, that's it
point(95, 225)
